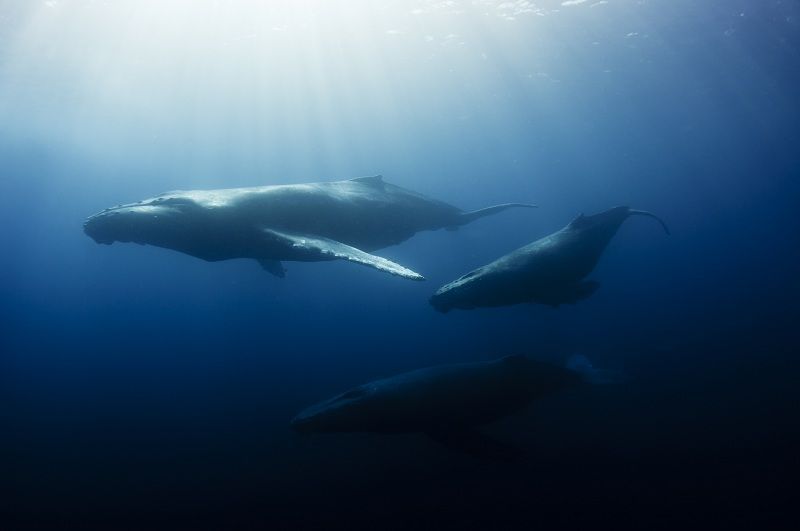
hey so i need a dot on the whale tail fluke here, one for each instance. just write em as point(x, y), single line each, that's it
point(633, 212)
point(589, 374)
point(469, 217)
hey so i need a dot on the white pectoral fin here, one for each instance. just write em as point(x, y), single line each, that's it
point(320, 248)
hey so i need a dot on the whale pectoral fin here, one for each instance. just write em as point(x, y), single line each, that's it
point(475, 443)
point(314, 248)
point(273, 266)
point(569, 294)
point(586, 289)
point(579, 291)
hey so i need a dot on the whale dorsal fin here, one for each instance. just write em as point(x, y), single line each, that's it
point(374, 180)
point(307, 248)
point(578, 222)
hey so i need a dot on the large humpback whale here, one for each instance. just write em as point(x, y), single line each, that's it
point(300, 222)
point(548, 271)
point(448, 402)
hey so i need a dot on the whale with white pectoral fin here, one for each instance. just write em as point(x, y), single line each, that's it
point(311, 222)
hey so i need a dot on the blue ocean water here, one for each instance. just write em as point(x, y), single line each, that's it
point(146, 389)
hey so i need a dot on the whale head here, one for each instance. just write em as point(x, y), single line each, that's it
point(154, 221)
point(349, 411)
point(462, 292)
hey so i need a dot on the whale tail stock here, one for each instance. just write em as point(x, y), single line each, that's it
point(469, 217)
point(590, 374)
point(632, 212)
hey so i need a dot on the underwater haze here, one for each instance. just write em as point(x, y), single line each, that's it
point(142, 388)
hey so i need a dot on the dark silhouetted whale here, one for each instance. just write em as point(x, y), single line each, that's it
point(448, 402)
point(297, 222)
point(548, 271)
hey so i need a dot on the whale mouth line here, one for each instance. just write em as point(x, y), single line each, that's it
point(101, 240)
point(94, 235)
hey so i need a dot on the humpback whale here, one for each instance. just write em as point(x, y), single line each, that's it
point(548, 271)
point(298, 222)
point(449, 402)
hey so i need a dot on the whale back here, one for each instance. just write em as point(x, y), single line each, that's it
point(465, 395)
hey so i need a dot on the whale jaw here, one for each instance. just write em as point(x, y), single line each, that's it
point(92, 228)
